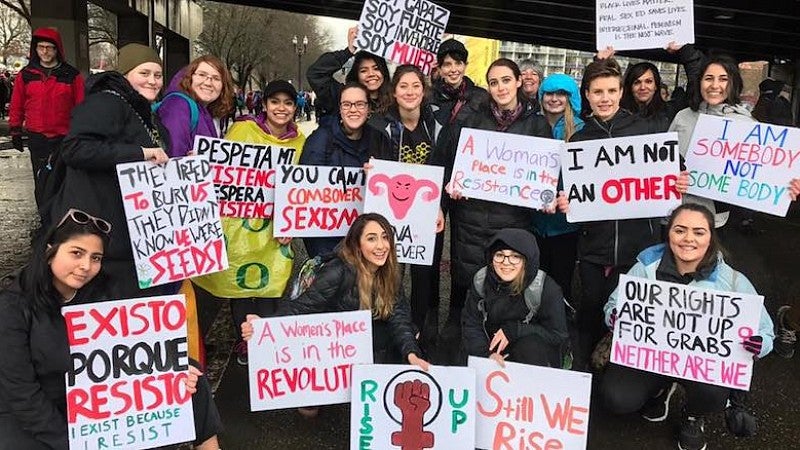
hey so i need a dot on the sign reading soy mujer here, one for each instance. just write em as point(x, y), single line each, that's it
point(403, 31)
point(621, 178)
point(129, 363)
point(313, 201)
point(244, 174)
point(683, 331)
point(507, 168)
point(744, 163)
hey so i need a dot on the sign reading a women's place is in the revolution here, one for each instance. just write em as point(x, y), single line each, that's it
point(408, 195)
point(314, 201)
point(244, 174)
point(507, 168)
point(744, 163)
point(621, 178)
point(641, 24)
point(402, 407)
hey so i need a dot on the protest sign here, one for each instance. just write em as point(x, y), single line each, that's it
point(640, 24)
point(522, 406)
point(683, 331)
point(129, 363)
point(313, 201)
point(306, 360)
point(244, 174)
point(173, 220)
point(507, 168)
point(745, 163)
point(621, 178)
point(406, 32)
point(402, 407)
point(408, 195)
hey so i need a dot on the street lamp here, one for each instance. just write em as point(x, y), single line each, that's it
point(300, 48)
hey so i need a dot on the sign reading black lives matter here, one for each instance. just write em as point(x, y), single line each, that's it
point(641, 24)
point(403, 31)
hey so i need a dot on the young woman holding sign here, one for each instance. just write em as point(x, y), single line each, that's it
point(691, 255)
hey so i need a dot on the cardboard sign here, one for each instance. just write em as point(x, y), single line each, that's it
point(406, 32)
point(402, 407)
point(683, 331)
point(640, 24)
point(314, 201)
point(126, 388)
point(622, 178)
point(538, 406)
point(306, 360)
point(744, 163)
point(408, 195)
point(507, 168)
point(244, 174)
point(173, 219)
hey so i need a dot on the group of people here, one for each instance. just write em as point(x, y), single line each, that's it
point(511, 267)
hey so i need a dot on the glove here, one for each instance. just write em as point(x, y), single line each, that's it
point(16, 142)
point(753, 344)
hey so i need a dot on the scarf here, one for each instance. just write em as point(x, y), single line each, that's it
point(505, 118)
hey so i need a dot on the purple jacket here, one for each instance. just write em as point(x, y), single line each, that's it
point(175, 115)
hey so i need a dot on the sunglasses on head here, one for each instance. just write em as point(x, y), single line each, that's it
point(81, 218)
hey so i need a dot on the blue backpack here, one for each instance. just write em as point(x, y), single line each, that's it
point(194, 110)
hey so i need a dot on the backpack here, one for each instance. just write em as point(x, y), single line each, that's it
point(532, 294)
point(194, 110)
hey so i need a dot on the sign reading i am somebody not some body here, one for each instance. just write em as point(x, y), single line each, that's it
point(408, 195)
point(507, 168)
point(402, 407)
point(538, 406)
point(126, 389)
point(173, 219)
point(314, 201)
point(244, 175)
point(686, 332)
point(406, 32)
point(744, 163)
point(306, 360)
point(641, 24)
point(621, 178)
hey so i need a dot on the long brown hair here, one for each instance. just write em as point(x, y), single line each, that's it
point(223, 105)
point(714, 245)
point(381, 286)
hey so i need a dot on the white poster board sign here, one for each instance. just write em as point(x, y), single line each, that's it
point(683, 331)
point(744, 163)
point(408, 195)
point(621, 178)
point(550, 412)
point(507, 168)
point(402, 407)
point(120, 395)
point(296, 361)
point(642, 24)
point(173, 220)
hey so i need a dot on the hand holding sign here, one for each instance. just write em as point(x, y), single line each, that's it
point(794, 189)
point(352, 32)
point(155, 155)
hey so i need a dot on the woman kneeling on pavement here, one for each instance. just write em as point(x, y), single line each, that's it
point(519, 306)
point(691, 256)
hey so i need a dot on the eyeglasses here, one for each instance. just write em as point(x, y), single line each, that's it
point(359, 105)
point(208, 77)
point(46, 47)
point(513, 258)
point(81, 218)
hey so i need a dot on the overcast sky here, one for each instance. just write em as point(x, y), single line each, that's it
point(337, 28)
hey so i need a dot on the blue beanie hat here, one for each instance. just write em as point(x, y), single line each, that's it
point(561, 82)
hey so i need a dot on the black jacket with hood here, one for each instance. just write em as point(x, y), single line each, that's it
point(616, 242)
point(497, 308)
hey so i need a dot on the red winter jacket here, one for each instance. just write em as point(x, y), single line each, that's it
point(43, 98)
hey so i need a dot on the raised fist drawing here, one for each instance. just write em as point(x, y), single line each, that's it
point(413, 400)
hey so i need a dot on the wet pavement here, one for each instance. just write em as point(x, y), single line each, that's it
point(768, 258)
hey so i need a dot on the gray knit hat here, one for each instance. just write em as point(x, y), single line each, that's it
point(131, 55)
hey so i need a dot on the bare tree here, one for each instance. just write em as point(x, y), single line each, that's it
point(102, 25)
point(21, 7)
point(15, 33)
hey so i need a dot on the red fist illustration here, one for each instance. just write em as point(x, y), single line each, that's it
point(413, 400)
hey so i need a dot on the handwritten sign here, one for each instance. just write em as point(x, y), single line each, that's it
point(402, 407)
point(406, 32)
point(408, 195)
point(685, 332)
point(640, 24)
point(314, 201)
point(244, 174)
point(173, 220)
point(306, 360)
point(621, 178)
point(507, 168)
point(743, 163)
point(126, 388)
point(550, 413)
